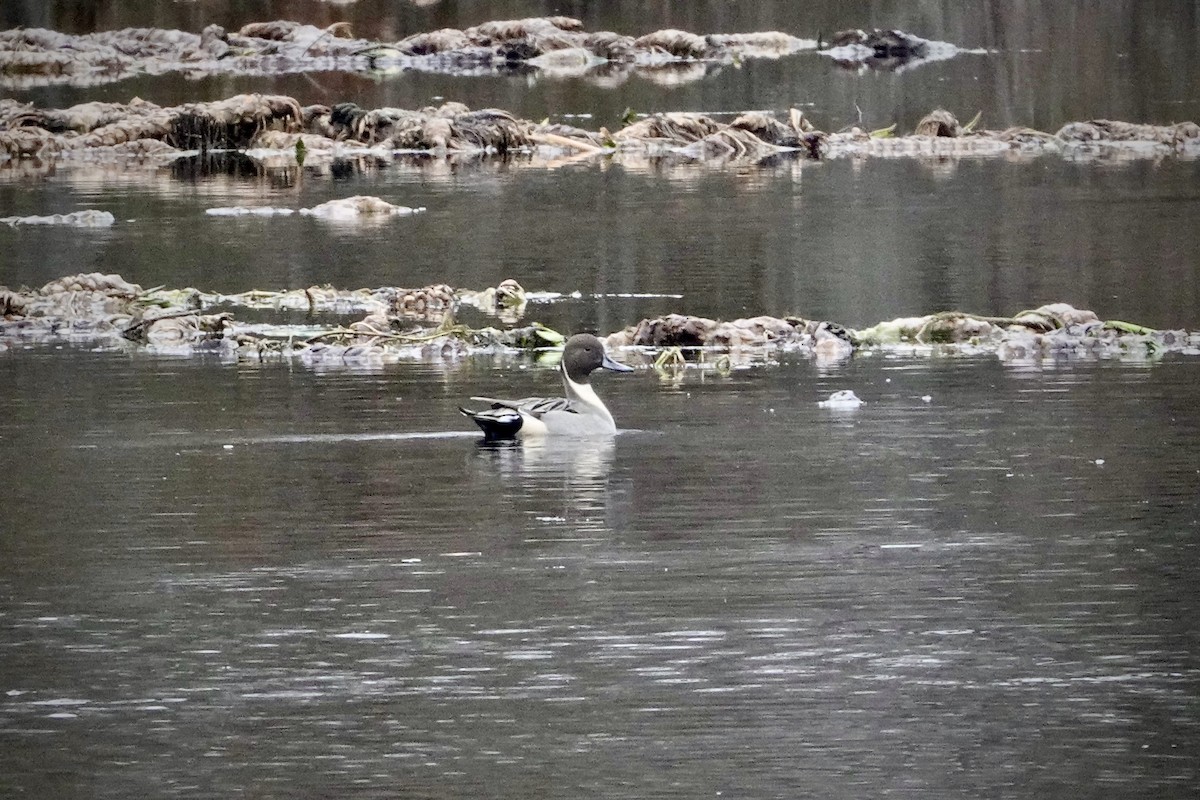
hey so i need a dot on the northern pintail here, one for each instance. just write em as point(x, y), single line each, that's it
point(580, 413)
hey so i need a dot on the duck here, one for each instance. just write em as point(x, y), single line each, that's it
point(580, 413)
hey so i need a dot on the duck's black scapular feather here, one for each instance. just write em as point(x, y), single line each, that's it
point(497, 422)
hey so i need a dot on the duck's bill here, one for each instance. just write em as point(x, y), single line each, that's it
point(615, 366)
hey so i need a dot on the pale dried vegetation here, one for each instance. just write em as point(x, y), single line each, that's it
point(416, 322)
point(96, 130)
point(29, 56)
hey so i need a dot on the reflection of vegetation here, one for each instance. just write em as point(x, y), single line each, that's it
point(201, 167)
point(671, 362)
point(529, 337)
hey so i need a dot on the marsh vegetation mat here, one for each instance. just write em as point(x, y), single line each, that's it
point(423, 323)
point(279, 129)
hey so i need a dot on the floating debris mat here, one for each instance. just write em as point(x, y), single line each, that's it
point(885, 50)
point(278, 130)
point(391, 324)
point(34, 56)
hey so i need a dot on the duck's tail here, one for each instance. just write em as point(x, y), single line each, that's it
point(497, 422)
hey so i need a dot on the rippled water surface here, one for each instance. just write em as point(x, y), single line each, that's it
point(226, 579)
point(269, 580)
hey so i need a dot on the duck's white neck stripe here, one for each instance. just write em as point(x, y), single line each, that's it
point(584, 394)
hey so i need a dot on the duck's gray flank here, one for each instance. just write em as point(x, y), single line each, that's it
point(580, 413)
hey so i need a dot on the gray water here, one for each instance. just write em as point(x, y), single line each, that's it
point(266, 580)
point(836, 240)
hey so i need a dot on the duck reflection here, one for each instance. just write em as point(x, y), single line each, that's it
point(583, 461)
point(562, 478)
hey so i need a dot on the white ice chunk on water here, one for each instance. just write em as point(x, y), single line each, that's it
point(89, 218)
point(344, 209)
point(351, 208)
point(245, 211)
point(844, 399)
